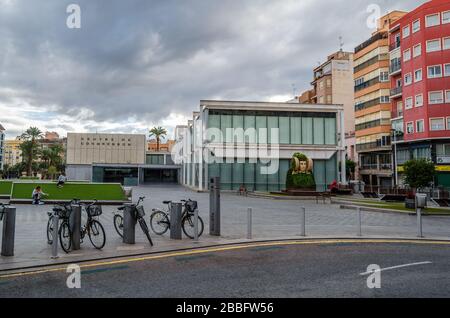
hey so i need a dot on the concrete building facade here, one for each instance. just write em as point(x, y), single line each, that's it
point(235, 141)
point(372, 106)
point(12, 153)
point(420, 82)
point(2, 140)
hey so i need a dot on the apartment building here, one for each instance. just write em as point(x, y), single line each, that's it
point(2, 140)
point(12, 153)
point(333, 84)
point(372, 106)
point(420, 80)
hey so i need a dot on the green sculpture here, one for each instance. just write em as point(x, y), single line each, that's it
point(300, 175)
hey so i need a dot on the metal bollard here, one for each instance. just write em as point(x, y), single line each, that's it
point(175, 221)
point(214, 207)
point(55, 236)
point(75, 226)
point(9, 229)
point(303, 222)
point(129, 224)
point(419, 223)
point(249, 223)
point(359, 232)
point(196, 225)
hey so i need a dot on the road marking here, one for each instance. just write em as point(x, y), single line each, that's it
point(395, 267)
point(229, 248)
point(102, 270)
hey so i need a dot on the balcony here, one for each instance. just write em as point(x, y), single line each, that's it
point(394, 46)
point(372, 124)
point(395, 68)
point(377, 167)
point(386, 144)
point(373, 60)
point(397, 92)
point(368, 104)
point(373, 39)
point(367, 84)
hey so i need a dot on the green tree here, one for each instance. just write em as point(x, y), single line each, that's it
point(158, 133)
point(350, 167)
point(419, 173)
point(52, 171)
point(30, 147)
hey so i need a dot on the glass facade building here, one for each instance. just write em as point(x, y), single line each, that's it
point(240, 126)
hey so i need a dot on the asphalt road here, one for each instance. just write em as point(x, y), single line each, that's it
point(303, 270)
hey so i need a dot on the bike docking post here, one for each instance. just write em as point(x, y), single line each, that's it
point(359, 231)
point(129, 224)
point(302, 222)
point(214, 207)
point(249, 223)
point(196, 226)
point(421, 203)
point(75, 226)
point(9, 229)
point(55, 236)
point(175, 221)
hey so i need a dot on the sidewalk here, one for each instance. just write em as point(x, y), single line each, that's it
point(272, 220)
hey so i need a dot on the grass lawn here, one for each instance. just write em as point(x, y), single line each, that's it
point(82, 191)
point(393, 206)
point(5, 187)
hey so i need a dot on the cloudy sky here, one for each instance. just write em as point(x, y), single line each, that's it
point(134, 64)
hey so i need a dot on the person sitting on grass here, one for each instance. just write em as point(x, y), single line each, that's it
point(61, 180)
point(37, 196)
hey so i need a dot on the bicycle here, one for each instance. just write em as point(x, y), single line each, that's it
point(63, 211)
point(93, 228)
point(139, 213)
point(160, 222)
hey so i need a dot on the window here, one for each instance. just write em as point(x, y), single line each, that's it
point(407, 55)
point(446, 17)
point(434, 71)
point(410, 128)
point(432, 20)
point(409, 103)
point(419, 100)
point(420, 127)
point(384, 76)
point(418, 75)
point(446, 69)
point(446, 43)
point(406, 31)
point(447, 96)
point(435, 97)
point(437, 124)
point(417, 50)
point(385, 100)
point(359, 81)
point(416, 26)
point(433, 45)
point(448, 123)
point(408, 79)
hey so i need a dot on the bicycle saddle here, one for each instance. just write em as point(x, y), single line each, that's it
point(167, 202)
point(121, 208)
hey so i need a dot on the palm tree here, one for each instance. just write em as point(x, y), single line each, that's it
point(30, 147)
point(158, 133)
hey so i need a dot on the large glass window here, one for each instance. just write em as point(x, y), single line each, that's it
point(296, 130)
point(238, 123)
point(272, 123)
point(330, 131)
point(261, 129)
point(319, 131)
point(225, 124)
point(249, 127)
point(307, 131)
point(284, 130)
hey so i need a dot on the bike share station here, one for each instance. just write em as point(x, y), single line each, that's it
point(8, 217)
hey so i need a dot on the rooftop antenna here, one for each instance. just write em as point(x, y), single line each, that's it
point(341, 43)
point(294, 89)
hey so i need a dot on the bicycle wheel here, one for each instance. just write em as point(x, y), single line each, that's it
point(50, 230)
point(97, 234)
point(144, 228)
point(187, 225)
point(118, 224)
point(159, 222)
point(65, 237)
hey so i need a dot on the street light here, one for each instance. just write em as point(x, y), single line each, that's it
point(394, 132)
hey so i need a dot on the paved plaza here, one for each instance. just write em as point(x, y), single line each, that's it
point(272, 219)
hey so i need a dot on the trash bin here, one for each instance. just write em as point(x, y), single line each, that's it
point(421, 200)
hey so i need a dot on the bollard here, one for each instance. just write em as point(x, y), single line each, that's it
point(419, 222)
point(129, 224)
point(303, 222)
point(175, 221)
point(9, 229)
point(249, 223)
point(358, 210)
point(196, 225)
point(55, 236)
point(75, 226)
point(214, 207)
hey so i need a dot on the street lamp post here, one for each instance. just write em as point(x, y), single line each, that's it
point(394, 131)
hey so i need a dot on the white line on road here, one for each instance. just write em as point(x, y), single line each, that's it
point(395, 267)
